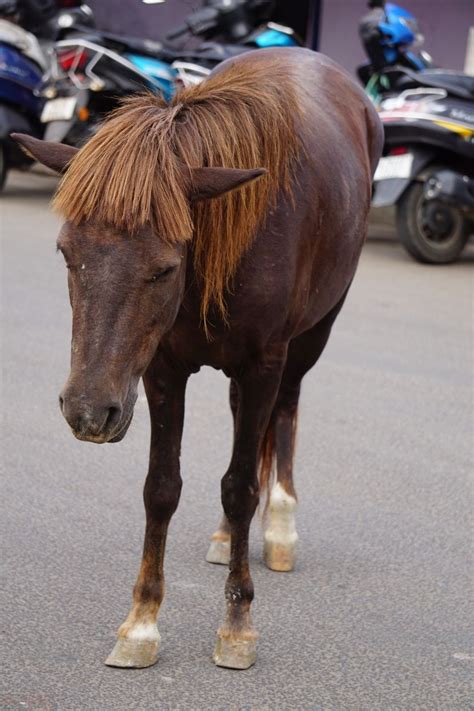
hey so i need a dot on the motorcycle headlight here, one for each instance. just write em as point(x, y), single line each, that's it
point(65, 20)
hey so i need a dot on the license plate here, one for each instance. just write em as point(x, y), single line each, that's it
point(394, 167)
point(59, 109)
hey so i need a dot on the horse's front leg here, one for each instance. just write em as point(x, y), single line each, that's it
point(258, 388)
point(138, 638)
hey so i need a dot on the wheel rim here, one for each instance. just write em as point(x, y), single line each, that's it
point(437, 222)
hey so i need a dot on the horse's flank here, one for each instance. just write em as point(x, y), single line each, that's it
point(131, 172)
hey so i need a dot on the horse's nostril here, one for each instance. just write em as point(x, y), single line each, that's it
point(113, 418)
point(61, 402)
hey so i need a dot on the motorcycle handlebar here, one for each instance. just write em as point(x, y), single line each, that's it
point(198, 23)
point(177, 32)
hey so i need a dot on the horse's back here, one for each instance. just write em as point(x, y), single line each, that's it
point(334, 103)
point(311, 244)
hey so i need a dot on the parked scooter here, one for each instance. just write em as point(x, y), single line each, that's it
point(391, 37)
point(90, 73)
point(23, 62)
point(427, 170)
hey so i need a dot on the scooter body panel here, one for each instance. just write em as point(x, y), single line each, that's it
point(275, 38)
point(18, 78)
point(431, 128)
point(160, 71)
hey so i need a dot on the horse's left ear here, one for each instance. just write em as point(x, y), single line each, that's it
point(208, 183)
point(53, 155)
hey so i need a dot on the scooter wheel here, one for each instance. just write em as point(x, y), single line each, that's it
point(3, 165)
point(431, 231)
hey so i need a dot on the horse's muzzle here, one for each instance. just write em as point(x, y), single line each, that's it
point(92, 422)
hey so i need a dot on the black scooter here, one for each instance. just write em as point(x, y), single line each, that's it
point(427, 170)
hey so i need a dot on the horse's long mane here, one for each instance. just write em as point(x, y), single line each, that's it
point(130, 173)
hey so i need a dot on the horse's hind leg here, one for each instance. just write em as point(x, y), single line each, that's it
point(280, 536)
point(219, 547)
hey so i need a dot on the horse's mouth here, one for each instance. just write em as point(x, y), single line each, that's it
point(107, 438)
point(118, 436)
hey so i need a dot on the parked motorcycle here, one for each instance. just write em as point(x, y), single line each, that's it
point(427, 170)
point(91, 73)
point(23, 62)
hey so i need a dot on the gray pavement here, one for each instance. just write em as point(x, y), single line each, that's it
point(376, 614)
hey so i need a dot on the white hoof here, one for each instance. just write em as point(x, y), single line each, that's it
point(235, 653)
point(280, 536)
point(279, 556)
point(133, 654)
point(219, 552)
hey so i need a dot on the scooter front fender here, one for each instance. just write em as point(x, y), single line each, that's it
point(388, 190)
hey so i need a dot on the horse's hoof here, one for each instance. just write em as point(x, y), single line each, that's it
point(235, 653)
point(219, 552)
point(279, 556)
point(134, 653)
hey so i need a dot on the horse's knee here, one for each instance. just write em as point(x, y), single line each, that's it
point(161, 497)
point(239, 497)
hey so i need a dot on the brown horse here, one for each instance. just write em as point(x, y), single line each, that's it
point(171, 268)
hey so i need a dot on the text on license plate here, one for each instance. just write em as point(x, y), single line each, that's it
point(394, 167)
point(59, 109)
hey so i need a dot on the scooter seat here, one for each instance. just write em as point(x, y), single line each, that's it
point(215, 52)
point(450, 80)
point(208, 51)
point(455, 83)
point(129, 44)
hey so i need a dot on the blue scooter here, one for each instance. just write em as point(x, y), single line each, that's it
point(391, 38)
point(22, 64)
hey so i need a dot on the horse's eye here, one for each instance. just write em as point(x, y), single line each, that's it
point(161, 275)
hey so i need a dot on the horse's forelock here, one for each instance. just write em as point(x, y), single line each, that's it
point(131, 172)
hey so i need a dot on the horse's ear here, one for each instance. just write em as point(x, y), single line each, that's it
point(53, 155)
point(208, 183)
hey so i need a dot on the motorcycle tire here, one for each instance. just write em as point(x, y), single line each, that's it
point(442, 245)
point(3, 165)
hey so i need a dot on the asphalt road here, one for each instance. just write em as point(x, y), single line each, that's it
point(376, 614)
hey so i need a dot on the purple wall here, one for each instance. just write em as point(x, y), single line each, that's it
point(132, 17)
point(444, 23)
